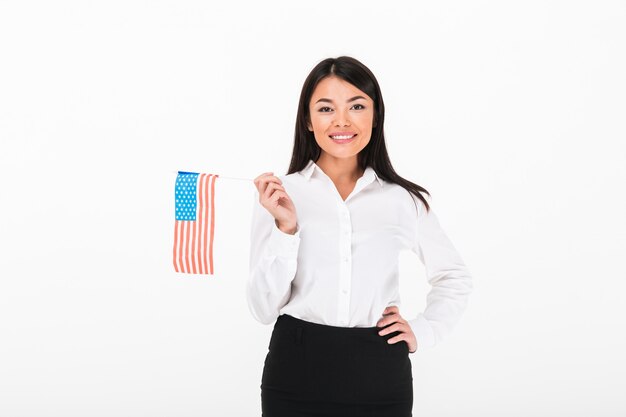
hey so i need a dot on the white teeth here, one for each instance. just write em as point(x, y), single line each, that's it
point(342, 137)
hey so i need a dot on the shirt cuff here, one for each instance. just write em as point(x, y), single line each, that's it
point(423, 332)
point(284, 244)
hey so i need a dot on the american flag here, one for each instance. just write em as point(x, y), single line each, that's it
point(195, 222)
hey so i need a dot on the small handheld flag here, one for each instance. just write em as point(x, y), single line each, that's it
point(195, 222)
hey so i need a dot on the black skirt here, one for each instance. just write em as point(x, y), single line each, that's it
point(318, 370)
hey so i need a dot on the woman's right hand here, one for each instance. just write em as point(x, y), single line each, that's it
point(274, 198)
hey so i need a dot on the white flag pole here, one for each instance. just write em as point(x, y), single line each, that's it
point(222, 176)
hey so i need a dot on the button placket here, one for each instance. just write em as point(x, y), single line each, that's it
point(345, 267)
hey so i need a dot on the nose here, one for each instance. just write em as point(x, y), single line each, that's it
point(342, 120)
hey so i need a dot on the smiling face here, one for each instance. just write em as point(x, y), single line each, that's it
point(338, 109)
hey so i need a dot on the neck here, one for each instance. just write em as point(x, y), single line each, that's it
point(342, 170)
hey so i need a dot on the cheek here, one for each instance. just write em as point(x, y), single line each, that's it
point(320, 124)
point(364, 119)
point(314, 121)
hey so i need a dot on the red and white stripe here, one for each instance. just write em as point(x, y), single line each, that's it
point(193, 240)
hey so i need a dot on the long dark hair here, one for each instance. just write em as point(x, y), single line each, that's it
point(375, 153)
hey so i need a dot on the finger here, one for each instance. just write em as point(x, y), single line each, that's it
point(270, 177)
point(262, 175)
point(266, 180)
point(399, 338)
point(278, 195)
point(393, 309)
point(258, 178)
point(276, 186)
point(271, 188)
point(395, 327)
point(386, 320)
point(396, 318)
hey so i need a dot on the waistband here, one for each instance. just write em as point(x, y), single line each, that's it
point(323, 336)
point(291, 321)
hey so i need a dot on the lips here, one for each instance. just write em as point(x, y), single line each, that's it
point(343, 139)
point(342, 135)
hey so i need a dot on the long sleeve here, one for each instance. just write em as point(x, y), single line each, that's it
point(448, 275)
point(273, 263)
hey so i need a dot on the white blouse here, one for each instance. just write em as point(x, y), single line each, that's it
point(340, 268)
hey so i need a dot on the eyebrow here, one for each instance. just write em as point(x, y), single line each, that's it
point(348, 101)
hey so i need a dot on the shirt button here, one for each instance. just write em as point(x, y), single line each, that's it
point(344, 291)
point(345, 232)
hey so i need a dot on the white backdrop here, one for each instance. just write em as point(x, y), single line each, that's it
point(510, 113)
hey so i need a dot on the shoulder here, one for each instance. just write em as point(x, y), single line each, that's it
point(405, 198)
point(397, 192)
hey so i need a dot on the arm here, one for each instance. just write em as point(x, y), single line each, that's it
point(448, 275)
point(273, 263)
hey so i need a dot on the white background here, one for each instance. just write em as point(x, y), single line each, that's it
point(510, 113)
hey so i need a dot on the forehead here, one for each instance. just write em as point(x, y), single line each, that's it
point(336, 88)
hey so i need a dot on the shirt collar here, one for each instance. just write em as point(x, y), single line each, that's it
point(369, 174)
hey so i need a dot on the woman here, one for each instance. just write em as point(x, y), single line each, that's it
point(325, 240)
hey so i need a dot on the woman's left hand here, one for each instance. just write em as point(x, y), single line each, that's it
point(392, 315)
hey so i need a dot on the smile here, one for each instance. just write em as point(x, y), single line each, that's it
point(343, 136)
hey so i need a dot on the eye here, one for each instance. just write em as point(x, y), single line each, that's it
point(326, 107)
